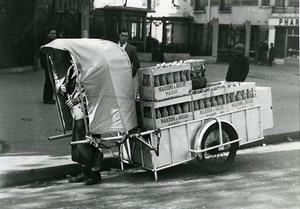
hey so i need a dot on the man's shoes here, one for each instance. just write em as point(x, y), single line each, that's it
point(52, 101)
point(80, 178)
point(94, 178)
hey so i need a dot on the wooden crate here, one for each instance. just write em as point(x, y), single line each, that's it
point(148, 111)
point(148, 90)
point(221, 90)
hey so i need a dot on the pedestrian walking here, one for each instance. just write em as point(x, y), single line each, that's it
point(271, 54)
point(238, 68)
point(48, 89)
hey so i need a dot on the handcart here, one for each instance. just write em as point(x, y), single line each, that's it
point(169, 122)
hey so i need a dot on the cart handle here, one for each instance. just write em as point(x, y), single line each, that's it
point(139, 136)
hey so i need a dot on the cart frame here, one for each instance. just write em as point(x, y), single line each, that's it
point(192, 143)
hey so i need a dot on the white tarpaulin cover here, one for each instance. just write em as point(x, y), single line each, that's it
point(106, 76)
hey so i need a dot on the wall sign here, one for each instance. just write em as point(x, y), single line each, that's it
point(284, 21)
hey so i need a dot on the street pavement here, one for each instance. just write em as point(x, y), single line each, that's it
point(26, 122)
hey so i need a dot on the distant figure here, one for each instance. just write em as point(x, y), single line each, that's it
point(239, 65)
point(271, 54)
point(260, 54)
point(130, 50)
point(265, 49)
point(148, 43)
point(48, 90)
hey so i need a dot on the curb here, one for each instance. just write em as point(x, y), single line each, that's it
point(17, 70)
point(16, 178)
point(274, 139)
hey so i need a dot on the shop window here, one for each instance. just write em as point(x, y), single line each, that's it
point(134, 26)
point(169, 32)
point(225, 6)
point(279, 3)
point(265, 3)
point(292, 31)
point(133, 30)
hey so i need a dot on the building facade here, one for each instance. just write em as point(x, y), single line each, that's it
point(24, 24)
point(212, 27)
point(217, 25)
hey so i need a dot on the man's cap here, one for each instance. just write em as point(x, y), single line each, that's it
point(239, 46)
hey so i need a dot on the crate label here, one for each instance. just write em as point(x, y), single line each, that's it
point(172, 90)
point(238, 105)
point(175, 119)
point(170, 86)
point(209, 112)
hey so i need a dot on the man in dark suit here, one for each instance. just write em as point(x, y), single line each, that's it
point(130, 50)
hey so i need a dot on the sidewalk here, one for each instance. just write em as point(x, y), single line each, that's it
point(26, 122)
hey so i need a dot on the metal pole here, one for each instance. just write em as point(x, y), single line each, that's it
point(85, 15)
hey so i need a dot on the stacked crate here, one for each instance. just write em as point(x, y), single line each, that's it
point(221, 97)
point(165, 95)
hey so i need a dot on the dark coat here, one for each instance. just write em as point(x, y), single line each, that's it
point(238, 69)
point(272, 53)
point(133, 56)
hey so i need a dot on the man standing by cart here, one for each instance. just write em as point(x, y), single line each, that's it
point(88, 156)
point(130, 50)
point(239, 65)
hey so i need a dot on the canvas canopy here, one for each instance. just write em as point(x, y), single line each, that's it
point(105, 74)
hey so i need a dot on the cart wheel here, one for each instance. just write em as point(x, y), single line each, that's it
point(217, 161)
point(4, 147)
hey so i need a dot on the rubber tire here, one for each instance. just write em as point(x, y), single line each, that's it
point(232, 135)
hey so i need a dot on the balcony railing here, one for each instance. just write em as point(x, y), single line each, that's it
point(285, 10)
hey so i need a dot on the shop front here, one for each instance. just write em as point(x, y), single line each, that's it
point(284, 33)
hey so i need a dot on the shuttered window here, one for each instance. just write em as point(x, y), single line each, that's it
point(279, 3)
point(294, 3)
point(225, 6)
point(265, 2)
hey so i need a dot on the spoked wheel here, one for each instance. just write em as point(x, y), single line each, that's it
point(218, 160)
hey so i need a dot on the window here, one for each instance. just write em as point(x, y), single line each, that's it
point(265, 2)
point(199, 5)
point(249, 3)
point(225, 6)
point(133, 30)
point(279, 3)
point(294, 3)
